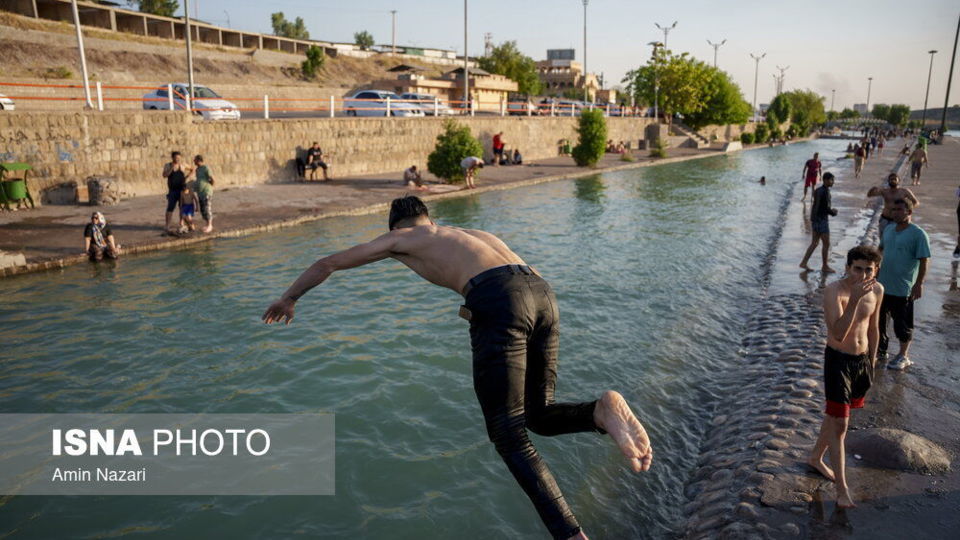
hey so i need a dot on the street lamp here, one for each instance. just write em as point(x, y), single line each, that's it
point(656, 80)
point(833, 94)
point(586, 89)
point(946, 99)
point(666, 30)
point(869, 86)
point(756, 73)
point(923, 120)
point(715, 47)
point(228, 18)
point(393, 34)
point(466, 68)
point(783, 76)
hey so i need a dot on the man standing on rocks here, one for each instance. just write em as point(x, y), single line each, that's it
point(851, 309)
point(820, 214)
point(891, 193)
point(514, 333)
point(906, 254)
point(811, 174)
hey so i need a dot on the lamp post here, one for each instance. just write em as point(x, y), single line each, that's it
point(586, 89)
point(666, 30)
point(783, 75)
point(393, 34)
point(869, 86)
point(186, 20)
point(923, 119)
point(833, 94)
point(715, 47)
point(943, 117)
point(466, 67)
point(656, 81)
point(83, 56)
point(228, 18)
point(756, 74)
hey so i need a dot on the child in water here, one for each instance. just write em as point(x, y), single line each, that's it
point(763, 180)
point(188, 205)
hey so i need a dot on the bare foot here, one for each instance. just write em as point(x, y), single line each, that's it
point(827, 270)
point(207, 229)
point(844, 500)
point(822, 468)
point(614, 416)
point(804, 265)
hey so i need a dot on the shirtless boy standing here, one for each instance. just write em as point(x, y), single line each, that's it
point(851, 308)
point(891, 193)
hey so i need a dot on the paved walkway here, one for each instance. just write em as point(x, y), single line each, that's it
point(51, 236)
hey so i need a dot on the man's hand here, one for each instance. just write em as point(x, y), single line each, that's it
point(279, 311)
point(833, 212)
point(917, 291)
point(860, 289)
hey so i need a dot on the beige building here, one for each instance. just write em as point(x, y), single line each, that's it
point(559, 75)
point(486, 89)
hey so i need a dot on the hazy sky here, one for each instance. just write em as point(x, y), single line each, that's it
point(827, 44)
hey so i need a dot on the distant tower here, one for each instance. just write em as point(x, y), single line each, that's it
point(487, 44)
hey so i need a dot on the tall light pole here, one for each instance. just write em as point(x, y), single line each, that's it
point(783, 75)
point(869, 86)
point(586, 90)
point(393, 34)
point(186, 19)
point(656, 81)
point(778, 83)
point(83, 56)
point(228, 18)
point(666, 30)
point(466, 67)
point(833, 94)
point(943, 117)
point(715, 47)
point(756, 74)
point(923, 120)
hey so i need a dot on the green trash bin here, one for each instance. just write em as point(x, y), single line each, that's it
point(15, 189)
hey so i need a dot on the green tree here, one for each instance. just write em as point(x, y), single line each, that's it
point(284, 28)
point(761, 133)
point(165, 8)
point(593, 138)
point(453, 145)
point(746, 138)
point(832, 115)
point(806, 108)
point(507, 60)
point(363, 39)
point(681, 83)
point(881, 111)
point(899, 114)
point(313, 63)
point(724, 103)
point(849, 113)
point(779, 110)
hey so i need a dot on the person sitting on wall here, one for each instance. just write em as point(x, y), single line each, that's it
point(610, 146)
point(504, 158)
point(517, 158)
point(315, 159)
point(98, 241)
point(621, 148)
point(412, 178)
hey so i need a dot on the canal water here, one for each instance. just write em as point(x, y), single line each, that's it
point(656, 271)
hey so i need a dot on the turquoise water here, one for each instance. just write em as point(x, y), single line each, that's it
point(656, 271)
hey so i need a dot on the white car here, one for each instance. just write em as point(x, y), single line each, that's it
point(206, 102)
point(430, 105)
point(6, 104)
point(374, 103)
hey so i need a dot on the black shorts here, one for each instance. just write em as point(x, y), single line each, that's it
point(173, 199)
point(313, 166)
point(846, 379)
point(498, 151)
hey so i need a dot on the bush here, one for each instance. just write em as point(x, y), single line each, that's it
point(59, 72)
point(776, 134)
point(746, 138)
point(792, 130)
point(454, 144)
point(313, 63)
point(659, 149)
point(626, 156)
point(593, 135)
point(761, 133)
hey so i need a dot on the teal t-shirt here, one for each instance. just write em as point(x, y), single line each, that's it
point(204, 187)
point(902, 251)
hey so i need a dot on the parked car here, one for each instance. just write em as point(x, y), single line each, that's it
point(206, 102)
point(428, 103)
point(6, 104)
point(374, 103)
point(521, 107)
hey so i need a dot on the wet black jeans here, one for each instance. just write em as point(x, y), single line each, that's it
point(514, 332)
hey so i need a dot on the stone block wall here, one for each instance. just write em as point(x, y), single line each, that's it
point(133, 146)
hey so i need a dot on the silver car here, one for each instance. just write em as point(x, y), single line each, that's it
point(375, 102)
point(205, 103)
point(430, 104)
point(6, 104)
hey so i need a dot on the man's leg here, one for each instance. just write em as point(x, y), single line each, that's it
point(810, 248)
point(836, 435)
point(884, 338)
point(825, 251)
point(902, 316)
point(815, 459)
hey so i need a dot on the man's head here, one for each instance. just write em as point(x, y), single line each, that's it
point(413, 167)
point(901, 210)
point(407, 212)
point(828, 179)
point(863, 262)
point(175, 156)
point(198, 159)
point(96, 218)
point(893, 180)
point(315, 144)
point(816, 155)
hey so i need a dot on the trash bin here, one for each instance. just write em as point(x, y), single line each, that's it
point(15, 189)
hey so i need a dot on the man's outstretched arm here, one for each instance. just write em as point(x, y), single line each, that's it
point(359, 255)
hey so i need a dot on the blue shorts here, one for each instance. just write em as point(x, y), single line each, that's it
point(186, 210)
point(821, 226)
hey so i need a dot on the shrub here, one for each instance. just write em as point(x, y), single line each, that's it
point(776, 134)
point(59, 72)
point(746, 138)
point(593, 135)
point(761, 133)
point(659, 149)
point(454, 144)
point(626, 156)
point(313, 63)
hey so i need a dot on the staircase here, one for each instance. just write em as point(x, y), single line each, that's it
point(695, 139)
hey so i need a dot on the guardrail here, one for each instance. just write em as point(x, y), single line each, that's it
point(168, 98)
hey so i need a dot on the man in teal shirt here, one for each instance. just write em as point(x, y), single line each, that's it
point(204, 191)
point(906, 253)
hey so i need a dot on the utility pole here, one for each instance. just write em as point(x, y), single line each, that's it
point(656, 81)
point(756, 74)
point(83, 56)
point(923, 121)
point(466, 67)
point(228, 18)
point(946, 100)
point(783, 75)
point(869, 86)
point(186, 19)
point(487, 43)
point(393, 35)
point(666, 30)
point(715, 47)
point(777, 83)
point(833, 95)
point(586, 88)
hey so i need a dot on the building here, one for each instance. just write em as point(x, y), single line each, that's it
point(860, 108)
point(560, 73)
point(487, 90)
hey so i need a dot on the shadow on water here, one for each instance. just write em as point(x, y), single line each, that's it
point(590, 189)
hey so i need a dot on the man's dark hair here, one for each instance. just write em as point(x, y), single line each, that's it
point(828, 176)
point(408, 207)
point(864, 253)
point(906, 203)
point(199, 158)
point(174, 154)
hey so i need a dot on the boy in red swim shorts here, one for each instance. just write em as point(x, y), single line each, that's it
point(811, 173)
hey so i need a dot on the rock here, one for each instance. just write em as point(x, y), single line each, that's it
point(807, 383)
point(104, 190)
point(746, 510)
point(777, 444)
point(718, 420)
point(801, 393)
point(898, 449)
point(8, 259)
point(791, 529)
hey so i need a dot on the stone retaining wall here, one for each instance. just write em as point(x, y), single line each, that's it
point(133, 146)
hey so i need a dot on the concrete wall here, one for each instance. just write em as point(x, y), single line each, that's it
point(133, 146)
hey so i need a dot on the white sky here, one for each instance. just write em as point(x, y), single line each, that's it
point(827, 44)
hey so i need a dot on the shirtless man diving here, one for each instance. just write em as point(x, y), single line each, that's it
point(514, 335)
point(851, 309)
point(891, 193)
